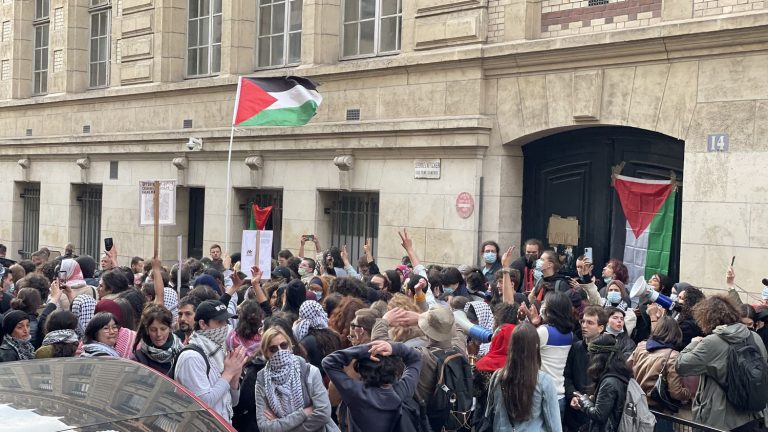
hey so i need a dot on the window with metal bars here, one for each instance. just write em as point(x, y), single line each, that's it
point(355, 218)
point(264, 198)
point(89, 198)
point(30, 197)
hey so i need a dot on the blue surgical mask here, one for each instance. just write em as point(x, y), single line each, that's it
point(537, 274)
point(673, 297)
point(318, 294)
point(448, 291)
point(607, 279)
point(613, 297)
point(539, 264)
point(489, 257)
point(302, 271)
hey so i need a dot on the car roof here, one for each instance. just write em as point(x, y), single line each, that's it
point(83, 394)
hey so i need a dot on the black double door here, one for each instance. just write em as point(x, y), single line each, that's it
point(569, 174)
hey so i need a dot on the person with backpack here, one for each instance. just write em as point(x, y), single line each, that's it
point(381, 400)
point(609, 376)
point(448, 402)
point(521, 397)
point(290, 395)
point(732, 369)
point(204, 367)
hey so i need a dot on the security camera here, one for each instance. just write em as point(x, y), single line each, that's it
point(194, 144)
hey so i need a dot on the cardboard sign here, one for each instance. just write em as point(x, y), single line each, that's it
point(256, 249)
point(563, 231)
point(167, 202)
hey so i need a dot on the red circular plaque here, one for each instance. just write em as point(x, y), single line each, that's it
point(465, 205)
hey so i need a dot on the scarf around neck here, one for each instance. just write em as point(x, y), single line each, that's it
point(311, 316)
point(61, 336)
point(24, 349)
point(282, 383)
point(165, 353)
point(98, 349)
point(212, 341)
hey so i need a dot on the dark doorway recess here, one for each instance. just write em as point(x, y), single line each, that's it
point(196, 222)
point(569, 174)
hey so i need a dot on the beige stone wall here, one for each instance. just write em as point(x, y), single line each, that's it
point(702, 8)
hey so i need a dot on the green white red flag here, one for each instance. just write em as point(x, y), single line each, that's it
point(286, 101)
point(649, 207)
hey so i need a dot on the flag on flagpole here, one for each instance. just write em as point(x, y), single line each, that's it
point(259, 217)
point(649, 207)
point(287, 101)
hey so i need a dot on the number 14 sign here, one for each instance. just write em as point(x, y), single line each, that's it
point(718, 142)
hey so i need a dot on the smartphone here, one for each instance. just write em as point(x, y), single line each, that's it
point(309, 237)
point(62, 277)
point(108, 244)
point(588, 254)
point(733, 260)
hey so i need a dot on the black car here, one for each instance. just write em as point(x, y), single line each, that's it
point(98, 394)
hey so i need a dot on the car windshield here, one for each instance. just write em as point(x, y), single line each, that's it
point(95, 394)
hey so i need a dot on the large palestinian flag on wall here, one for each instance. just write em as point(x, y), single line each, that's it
point(649, 207)
point(286, 101)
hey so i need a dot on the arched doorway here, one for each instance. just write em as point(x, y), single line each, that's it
point(569, 174)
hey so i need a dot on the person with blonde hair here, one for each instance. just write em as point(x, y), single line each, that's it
point(290, 395)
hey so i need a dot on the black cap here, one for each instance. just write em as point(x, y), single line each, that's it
point(281, 272)
point(212, 310)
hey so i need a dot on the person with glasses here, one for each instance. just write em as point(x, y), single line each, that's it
point(101, 336)
point(290, 395)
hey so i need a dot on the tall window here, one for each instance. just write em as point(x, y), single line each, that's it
point(41, 25)
point(372, 27)
point(279, 32)
point(98, 67)
point(204, 38)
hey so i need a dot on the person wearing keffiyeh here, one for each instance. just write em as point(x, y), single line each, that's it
point(290, 394)
point(101, 336)
point(311, 316)
point(61, 340)
point(15, 344)
point(484, 318)
point(314, 335)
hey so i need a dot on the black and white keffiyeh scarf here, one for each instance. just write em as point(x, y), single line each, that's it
point(484, 319)
point(165, 353)
point(61, 336)
point(311, 316)
point(23, 348)
point(282, 383)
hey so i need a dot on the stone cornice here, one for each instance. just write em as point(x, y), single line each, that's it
point(444, 132)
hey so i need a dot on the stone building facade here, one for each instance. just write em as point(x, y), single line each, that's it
point(468, 82)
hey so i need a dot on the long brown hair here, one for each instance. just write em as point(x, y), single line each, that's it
point(342, 317)
point(521, 373)
point(153, 312)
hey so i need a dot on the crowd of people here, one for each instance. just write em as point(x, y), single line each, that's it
point(319, 344)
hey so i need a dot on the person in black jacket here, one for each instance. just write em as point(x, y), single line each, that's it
point(374, 401)
point(686, 299)
point(609, 375)
point(593, 324)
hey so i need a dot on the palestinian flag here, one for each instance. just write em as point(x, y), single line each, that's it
point(258, 217)
point(649, 207)
point(288, 101)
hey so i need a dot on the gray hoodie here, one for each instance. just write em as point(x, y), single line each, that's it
point(708, 359)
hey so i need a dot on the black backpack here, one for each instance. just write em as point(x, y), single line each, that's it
point(450, 407)
point(190, 347)
point(412, 416)
point(747, 376)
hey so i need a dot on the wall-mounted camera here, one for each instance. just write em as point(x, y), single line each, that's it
point(194, 144)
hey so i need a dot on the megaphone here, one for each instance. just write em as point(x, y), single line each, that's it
point(642, 290)
point(476, 332)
